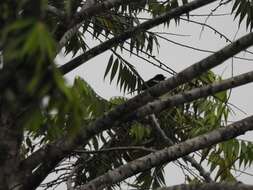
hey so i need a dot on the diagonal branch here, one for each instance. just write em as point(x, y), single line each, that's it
point(116, 149)
point(194, 94)
point(209, 186)
point(170, 154)
point(173, 13)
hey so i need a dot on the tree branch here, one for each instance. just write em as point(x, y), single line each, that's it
point(98, 8)
point(173, 13)
point(169, 154)
point(64, 146)
point(188, 96)
point(117, 149)
point(87, 12)
point(209, 186)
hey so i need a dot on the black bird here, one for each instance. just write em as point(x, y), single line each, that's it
point(149, 83)
point(153, 81)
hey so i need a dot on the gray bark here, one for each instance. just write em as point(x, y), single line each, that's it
point(210, 186)
point(169, 154)
point(194, 94)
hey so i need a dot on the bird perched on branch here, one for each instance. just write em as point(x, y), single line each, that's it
point(153, 81)
point(149, 83)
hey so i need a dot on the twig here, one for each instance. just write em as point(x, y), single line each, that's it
point(187, 158)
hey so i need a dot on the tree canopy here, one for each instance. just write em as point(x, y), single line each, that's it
point(54, 133)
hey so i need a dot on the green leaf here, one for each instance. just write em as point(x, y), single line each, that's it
point(138, 132)
point(92, 103)
point(222, 96)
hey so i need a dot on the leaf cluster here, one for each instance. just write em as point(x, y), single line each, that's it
point(243, 9)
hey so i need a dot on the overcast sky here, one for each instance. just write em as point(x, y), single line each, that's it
point(178, 58)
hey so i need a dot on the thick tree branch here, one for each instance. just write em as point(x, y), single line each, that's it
point(63, 147)
point(209, 186)
point(173, 13)
point(170, 154)
point(194, 94)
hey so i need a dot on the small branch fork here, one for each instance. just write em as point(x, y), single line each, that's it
point(156, 126)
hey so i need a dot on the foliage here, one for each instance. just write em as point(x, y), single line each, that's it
point(46, 108)
point(244, 10)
